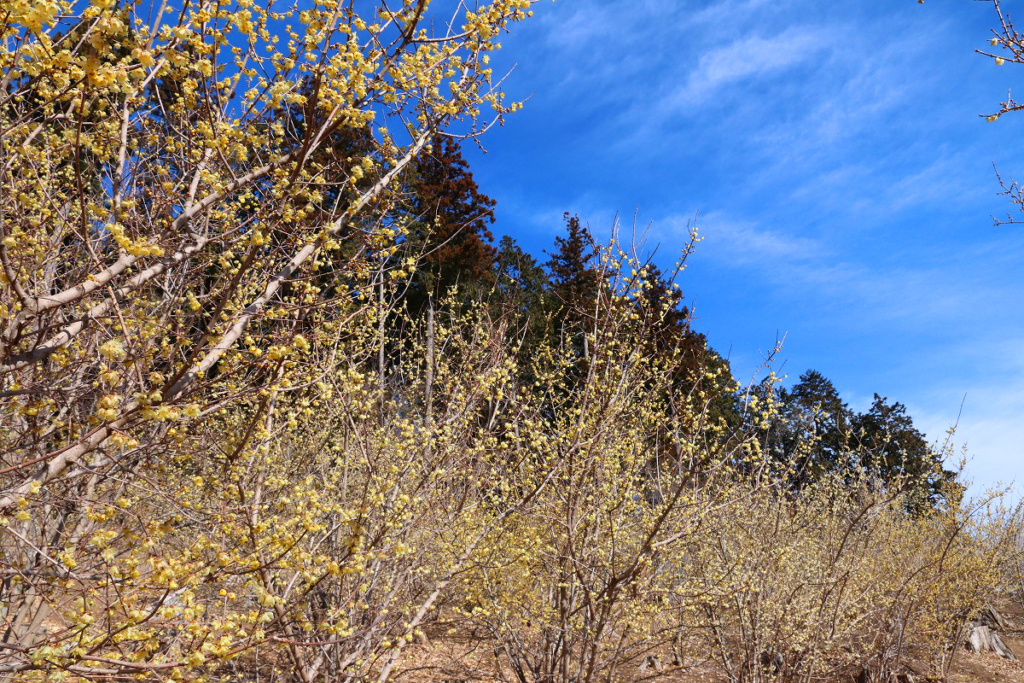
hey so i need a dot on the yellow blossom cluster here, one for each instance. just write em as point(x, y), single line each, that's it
point(225, 453)
point(195, 206)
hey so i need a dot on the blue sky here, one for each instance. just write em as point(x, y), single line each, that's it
point(843, 178)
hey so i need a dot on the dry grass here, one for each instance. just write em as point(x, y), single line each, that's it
point(468, 657)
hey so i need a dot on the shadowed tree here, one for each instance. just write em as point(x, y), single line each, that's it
point(815, 433)
point(670, 329)
point(895, 449)
point(812, 428)
point(574, 282)
point(522, 292)
point(449, 229)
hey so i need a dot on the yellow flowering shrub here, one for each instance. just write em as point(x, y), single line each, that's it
point(195, 240)
point(838, 580)
point(225, 453)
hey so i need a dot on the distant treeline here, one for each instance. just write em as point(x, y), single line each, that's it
point(551, 299)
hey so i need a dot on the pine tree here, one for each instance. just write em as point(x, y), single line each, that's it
point(899, 452)
point(574, 280)
point(817, 433)
point(815, 411)
point(522, 291)
point(449, 231)
point(669, 329)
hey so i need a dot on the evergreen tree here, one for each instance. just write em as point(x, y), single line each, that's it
point(897, 451)
point(574, 281)
point(669, 336)
point(815, 432)
point(811, 431)
point(522, 291)
point(449, 231)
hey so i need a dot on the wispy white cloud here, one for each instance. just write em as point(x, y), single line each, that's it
point(729, 11)
point(588, 25)
point(749, 57)
point(949, 177)
point(840, 120)
point(989, 429)
point(738, 242)
point(845, 185)
point(907, 289)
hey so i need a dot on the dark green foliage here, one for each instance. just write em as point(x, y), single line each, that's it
point(574, 283)
point(812, 412)
point(893, 447)
point(668, 330)
point(574, 277)
point(816, 433)
point(522, 293)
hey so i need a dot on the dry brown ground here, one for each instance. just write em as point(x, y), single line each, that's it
point(989, 668)
point(468, 658)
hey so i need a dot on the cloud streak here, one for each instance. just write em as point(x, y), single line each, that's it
point(842, 174)
point(751, 57)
